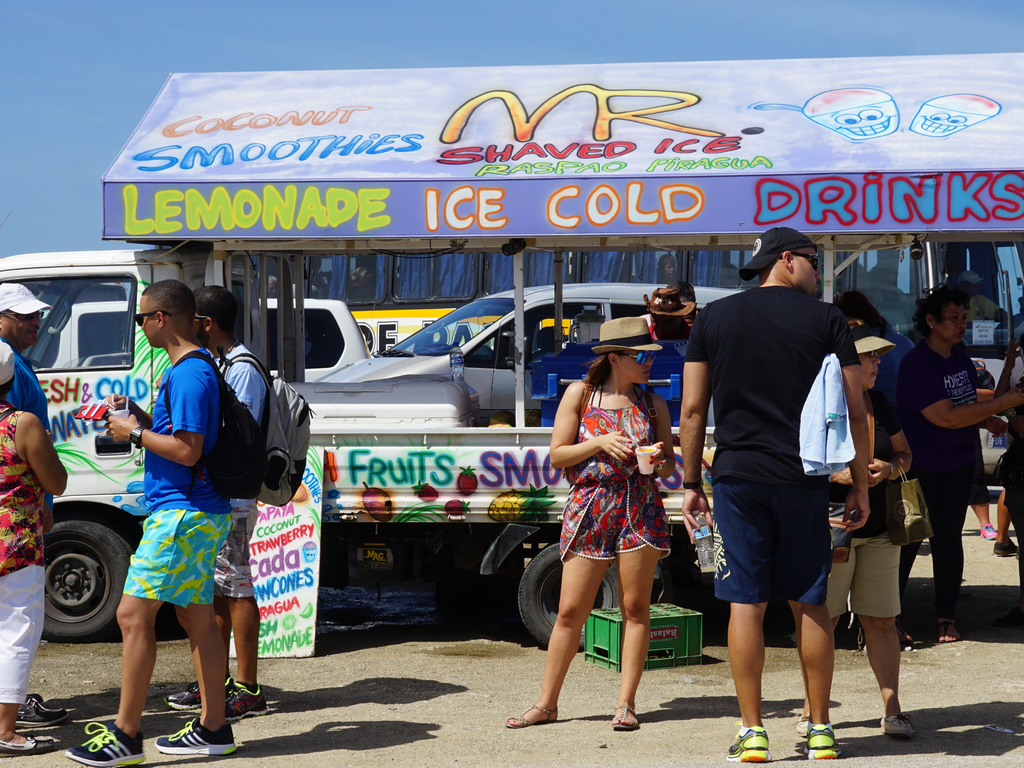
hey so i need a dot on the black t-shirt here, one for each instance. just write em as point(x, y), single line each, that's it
point(886, 425)
point(765, 347)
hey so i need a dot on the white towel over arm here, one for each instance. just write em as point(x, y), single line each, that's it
point(826, 444)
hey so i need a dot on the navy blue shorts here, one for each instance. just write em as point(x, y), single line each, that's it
point(771, 542)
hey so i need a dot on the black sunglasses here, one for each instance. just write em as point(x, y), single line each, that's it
point(140, 317)
point(813, 258)
point(37, 315)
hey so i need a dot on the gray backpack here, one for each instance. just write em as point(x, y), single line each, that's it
point(285, 423)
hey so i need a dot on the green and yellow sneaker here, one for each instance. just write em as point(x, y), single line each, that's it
point(821, 743)
point(751, 746)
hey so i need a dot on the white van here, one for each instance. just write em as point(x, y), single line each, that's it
point(483, 328)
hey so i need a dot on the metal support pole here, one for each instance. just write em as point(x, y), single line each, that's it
point(262, 329)
point(300, 318)
point(559, 278)
point(519, 330)
point(828, 276)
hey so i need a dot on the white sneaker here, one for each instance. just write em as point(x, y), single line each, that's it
point(898, 726)
point(802, 726)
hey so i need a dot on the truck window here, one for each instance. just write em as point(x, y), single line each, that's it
point(538, 269)
point(324, 344)
point(891, 285)
point(90, 325)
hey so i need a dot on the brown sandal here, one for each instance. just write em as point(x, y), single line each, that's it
point(625, 719)
point(550, 716)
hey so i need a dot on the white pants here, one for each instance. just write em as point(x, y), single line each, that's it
point(21, 626)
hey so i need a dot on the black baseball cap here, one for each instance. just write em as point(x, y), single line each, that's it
point(769, 246)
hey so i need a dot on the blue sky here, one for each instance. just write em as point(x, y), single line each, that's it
point(76, 77)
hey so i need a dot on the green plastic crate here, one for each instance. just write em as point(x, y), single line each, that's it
point(677, 638)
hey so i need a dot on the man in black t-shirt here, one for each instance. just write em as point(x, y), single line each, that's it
point(758, 352)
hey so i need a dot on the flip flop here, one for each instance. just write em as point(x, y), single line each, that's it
point(32, 746)
point(902, 636)
point(944, 627)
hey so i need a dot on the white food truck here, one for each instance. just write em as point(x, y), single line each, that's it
point(906, 170)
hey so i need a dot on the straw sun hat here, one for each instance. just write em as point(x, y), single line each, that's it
point(626, 334)
point(866, 341)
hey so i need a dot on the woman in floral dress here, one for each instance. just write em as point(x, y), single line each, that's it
point(28, 466)
point(614, 514)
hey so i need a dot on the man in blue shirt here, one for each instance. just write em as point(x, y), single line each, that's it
point(20, 315)
point(234, 597)
point(187, 524)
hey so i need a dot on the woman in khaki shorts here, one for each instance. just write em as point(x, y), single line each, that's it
point(868, 583)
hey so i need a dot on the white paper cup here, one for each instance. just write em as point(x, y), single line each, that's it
point(643, 459)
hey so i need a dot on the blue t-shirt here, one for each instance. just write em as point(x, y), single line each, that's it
point(250, 389)
point(26, 394)
point(926, 378)
point(195, 407)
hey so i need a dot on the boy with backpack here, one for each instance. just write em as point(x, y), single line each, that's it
point(187, 523)
point(234, 600)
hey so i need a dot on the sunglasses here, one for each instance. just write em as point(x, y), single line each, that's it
point(37, 315)
point(641, 357)
point(813, 258)
point(140, 317)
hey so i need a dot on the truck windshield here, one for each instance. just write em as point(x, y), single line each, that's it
point(454, 329)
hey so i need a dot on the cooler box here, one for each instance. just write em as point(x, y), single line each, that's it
point(677, 638)
point(552, 374)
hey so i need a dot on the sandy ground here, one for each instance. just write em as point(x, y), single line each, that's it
point(434, 687)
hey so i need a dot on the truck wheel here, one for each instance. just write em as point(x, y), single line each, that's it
point(86, 565)
point(540, 587)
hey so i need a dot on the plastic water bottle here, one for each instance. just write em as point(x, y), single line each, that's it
point(704, 541)
point(457, 362)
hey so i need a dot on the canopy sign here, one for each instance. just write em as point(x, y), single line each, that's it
point(840, 145)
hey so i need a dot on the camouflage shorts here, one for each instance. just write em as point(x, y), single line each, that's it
point(233, 577)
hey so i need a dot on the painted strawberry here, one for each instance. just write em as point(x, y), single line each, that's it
point(467, 481)
point(456, 508)
point(425, 491)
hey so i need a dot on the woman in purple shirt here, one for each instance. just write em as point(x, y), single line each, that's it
point(936, 403)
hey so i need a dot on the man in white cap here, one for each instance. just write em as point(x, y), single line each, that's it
point(20, 315)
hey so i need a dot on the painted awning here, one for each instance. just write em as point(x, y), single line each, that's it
point(895, 144)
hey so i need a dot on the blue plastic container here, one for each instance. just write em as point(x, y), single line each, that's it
point(552, 375)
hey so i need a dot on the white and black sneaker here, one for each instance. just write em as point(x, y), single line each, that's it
point(194, 739)
point(33, 714)
point(109, 746)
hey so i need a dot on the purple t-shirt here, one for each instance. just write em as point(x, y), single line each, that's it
point(926, 378)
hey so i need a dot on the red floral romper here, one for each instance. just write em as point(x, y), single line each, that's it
point(612, 508)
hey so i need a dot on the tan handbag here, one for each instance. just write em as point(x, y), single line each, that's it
point(906, 513)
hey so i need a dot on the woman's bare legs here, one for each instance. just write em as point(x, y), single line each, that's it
point(581, 578)
point(636, 579)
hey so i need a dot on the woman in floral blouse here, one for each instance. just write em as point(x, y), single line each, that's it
point(29, 467)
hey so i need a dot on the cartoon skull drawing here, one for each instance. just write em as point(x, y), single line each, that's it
point(857, 114)
point(946, 115)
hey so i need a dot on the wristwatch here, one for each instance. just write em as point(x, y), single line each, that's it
point(136, 436)
point(695, 485)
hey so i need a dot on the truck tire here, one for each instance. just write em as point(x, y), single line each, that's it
point(539, 589)
point(541, 584)
point(86, 565)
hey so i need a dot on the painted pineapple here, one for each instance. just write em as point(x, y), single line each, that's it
point(521, 506)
